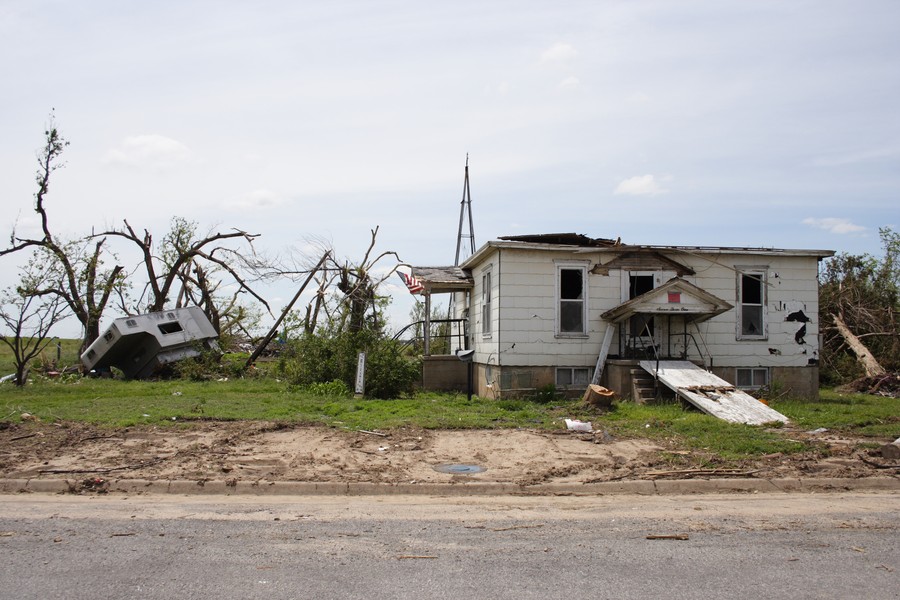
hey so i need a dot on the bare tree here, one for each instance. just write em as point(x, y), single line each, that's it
point(187, 268)
point(359, 285)
point(29, 318)
point(83, 283)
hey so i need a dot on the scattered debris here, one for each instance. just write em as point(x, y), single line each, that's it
point(517, 527)
point(703, 472)
point(372, 433)
point(817, 431)
point(576, 425)
point(887, 384)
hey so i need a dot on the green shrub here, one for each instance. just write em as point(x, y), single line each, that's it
point(546, 393)
point(322, 358)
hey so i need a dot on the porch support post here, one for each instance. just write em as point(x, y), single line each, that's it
point(604, 352)
point(427, 322)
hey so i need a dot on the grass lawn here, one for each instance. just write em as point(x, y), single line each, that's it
point(175, 403)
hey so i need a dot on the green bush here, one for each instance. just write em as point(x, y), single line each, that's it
point(321, 358)
point(546, 393)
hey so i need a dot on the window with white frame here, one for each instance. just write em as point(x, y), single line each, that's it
point(486, 303)
point(573, 376)
point(751, 304)
point(571, 290)
point(752, 378)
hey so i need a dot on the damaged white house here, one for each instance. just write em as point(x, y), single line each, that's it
point(568, 310)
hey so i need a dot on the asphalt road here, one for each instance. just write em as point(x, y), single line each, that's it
point(759, 546)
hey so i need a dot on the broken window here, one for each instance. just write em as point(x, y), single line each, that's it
point(751, 304)
point(486, 303)
point(171, 327)
point(572, 306)
point(752, 378)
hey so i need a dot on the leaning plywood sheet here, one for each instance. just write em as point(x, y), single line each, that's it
point(711, 394)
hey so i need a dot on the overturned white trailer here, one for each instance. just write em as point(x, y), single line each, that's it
point(140, 345)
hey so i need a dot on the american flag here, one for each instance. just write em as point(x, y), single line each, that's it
point(412, 284)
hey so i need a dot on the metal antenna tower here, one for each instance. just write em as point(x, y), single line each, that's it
point(465, 207)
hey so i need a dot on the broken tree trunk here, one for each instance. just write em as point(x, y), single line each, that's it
point(597, 395)
point(865, 358)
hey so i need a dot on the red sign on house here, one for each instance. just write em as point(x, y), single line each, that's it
point(674, 297)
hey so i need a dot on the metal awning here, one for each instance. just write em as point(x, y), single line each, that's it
point(676, 297)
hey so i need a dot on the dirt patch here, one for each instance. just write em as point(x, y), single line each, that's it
point(262, 452)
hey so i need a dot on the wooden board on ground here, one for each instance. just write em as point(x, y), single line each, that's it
point(711, 394)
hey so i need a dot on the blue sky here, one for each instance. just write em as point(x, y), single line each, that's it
point(695, 122)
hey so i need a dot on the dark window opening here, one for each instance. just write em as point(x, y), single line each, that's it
point(752, 302)
point(640, 325)
point(571, 301)
point(751, 289)
point(571, 286)
point(167, 328)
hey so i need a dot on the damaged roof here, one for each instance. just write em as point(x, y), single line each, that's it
point(443, 279)
point(564, 239)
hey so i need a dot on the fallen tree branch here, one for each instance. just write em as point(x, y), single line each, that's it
point(872, 367)
point(872, 463)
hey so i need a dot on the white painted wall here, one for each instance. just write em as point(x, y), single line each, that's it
point(524, 308)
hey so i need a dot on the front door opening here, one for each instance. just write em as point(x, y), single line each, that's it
point(640, 325)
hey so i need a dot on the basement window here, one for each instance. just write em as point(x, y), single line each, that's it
point(168, 328)
point(752, 379)
point(573, 376)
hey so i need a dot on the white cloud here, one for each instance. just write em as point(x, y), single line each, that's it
point(257, 199)
point(834, 225)
point(150, 150)
point(559, 53)
point(640, 185)
point(569, 82)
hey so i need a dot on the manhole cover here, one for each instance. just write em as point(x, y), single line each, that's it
point(458, 469)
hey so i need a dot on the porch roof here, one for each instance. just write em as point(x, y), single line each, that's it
point(443, 279)
point(675, 297)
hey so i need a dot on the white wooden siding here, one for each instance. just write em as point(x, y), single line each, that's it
point(524, 309)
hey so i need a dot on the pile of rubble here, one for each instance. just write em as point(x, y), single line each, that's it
point(879, 385)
